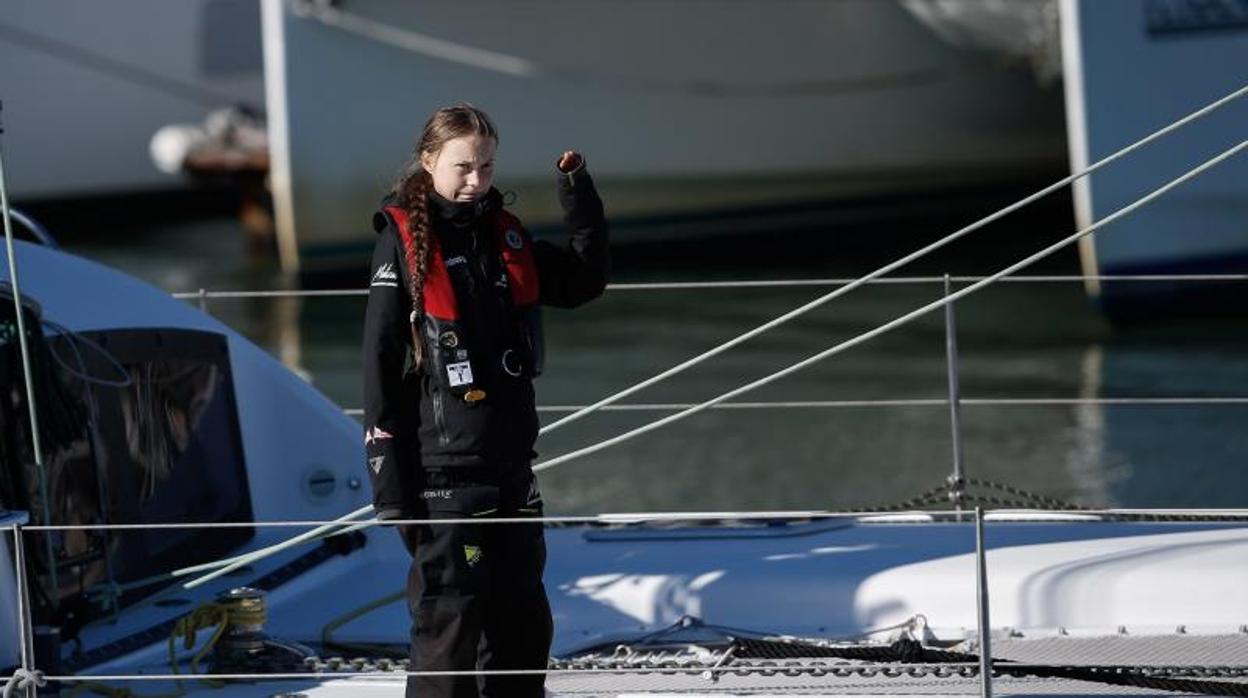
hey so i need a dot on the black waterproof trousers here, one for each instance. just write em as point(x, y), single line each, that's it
point(475, 590)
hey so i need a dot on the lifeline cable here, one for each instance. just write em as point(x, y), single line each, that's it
point(899, 402)
point(625, 519)
point(207, 294)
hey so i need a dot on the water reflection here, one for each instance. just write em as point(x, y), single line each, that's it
point(1088, 462)
point(1177, 455)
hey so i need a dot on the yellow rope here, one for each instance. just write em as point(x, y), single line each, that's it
point(210, 615)
point(188, 627)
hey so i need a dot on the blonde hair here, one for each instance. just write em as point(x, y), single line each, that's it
point(412, 191)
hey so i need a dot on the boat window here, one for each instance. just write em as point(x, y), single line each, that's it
point(161, 446)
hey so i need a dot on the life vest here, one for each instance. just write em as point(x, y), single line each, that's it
point(448, 356)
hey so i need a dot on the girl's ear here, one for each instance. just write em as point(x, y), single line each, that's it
point(427, 161)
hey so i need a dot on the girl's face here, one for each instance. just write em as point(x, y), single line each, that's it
point(463, 169)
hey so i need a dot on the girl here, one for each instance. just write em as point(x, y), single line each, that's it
point(452, 342)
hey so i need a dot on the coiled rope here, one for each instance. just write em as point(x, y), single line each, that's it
point(210, 615)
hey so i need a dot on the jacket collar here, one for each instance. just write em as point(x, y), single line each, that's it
point(463, 214)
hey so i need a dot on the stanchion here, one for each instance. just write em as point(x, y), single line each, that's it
point(23, 610)
point(957, 480)
point(35, 441)
point(981, 589)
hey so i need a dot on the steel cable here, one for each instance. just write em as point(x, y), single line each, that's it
point(897, 322)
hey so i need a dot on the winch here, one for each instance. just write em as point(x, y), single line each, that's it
point(243, 646)
point(238, 644)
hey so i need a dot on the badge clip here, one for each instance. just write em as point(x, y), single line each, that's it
point(475, 395)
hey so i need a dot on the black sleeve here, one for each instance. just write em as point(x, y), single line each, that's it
point(390, 415)
point(577, 273)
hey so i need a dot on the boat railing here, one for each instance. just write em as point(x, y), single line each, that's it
point(954, 491)
point(954, 401)
point(203, 296)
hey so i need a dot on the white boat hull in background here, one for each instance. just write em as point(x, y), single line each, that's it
point(680, 106)
point(86, 84)
point(1131, 68)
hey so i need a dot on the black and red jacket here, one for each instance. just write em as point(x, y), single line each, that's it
point(472, 401)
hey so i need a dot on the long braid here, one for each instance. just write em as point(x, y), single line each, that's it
point(414, 199)
point(418, 261)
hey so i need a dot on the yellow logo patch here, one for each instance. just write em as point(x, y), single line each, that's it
point(472, 553)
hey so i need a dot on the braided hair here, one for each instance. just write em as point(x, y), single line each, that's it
point(412, 191)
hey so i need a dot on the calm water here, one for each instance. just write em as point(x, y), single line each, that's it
point(1016, 340)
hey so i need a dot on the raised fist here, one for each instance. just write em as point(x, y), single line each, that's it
point(569, 161)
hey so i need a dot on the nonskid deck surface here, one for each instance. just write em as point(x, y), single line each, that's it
point(1176, 649)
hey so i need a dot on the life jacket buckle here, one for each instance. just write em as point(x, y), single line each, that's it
point(511, 363)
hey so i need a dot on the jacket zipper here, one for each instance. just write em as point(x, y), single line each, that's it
point(439, 418)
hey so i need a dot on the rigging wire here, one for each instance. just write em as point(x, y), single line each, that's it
point(898, 263)
point(899, 321)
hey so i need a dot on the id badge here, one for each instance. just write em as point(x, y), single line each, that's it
point(459, 373)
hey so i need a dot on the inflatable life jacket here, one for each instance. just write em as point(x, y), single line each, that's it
point(448, 356)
